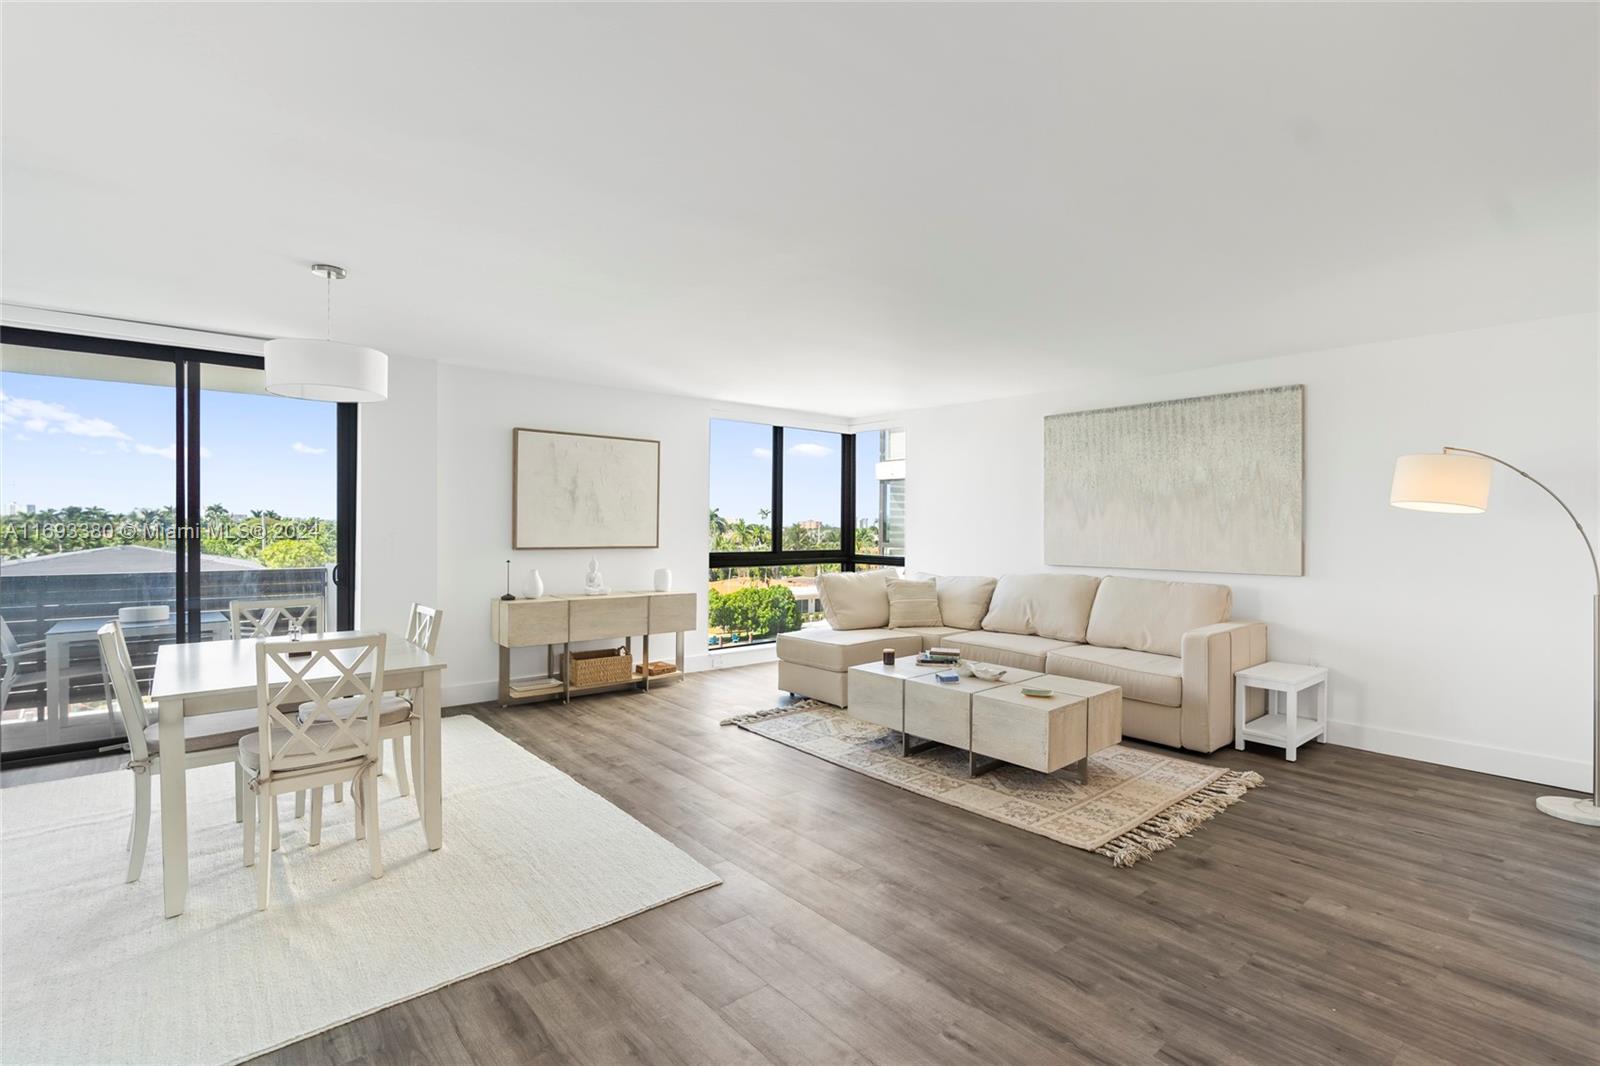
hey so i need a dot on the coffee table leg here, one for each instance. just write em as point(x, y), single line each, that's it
point(908, 747)
point(1083, 770)
point(978, 765)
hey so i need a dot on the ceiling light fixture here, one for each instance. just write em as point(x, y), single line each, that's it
point(326, 369)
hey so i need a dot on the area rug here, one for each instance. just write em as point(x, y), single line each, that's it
point(1135, 804)
point(90, 972)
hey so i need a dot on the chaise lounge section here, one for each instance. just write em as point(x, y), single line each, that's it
point(1169, 645)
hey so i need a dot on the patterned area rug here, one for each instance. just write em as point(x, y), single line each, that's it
point(1136, 802)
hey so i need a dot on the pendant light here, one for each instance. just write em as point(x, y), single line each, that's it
point(326, 369)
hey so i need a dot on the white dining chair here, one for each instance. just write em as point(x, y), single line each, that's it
point(208, 739)
point(250, 619)
point(398, 718)
point(288, 753)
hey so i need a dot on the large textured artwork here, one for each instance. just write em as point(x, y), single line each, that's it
point(1212, 483)
point(579, 490)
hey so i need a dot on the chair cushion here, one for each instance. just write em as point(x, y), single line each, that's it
point(1046, 605)
point(1142, 675)
point(838, 650)
point(208, 732)
point(963, 601)
point(912, 603)
point(1145, 615)
point(323, 733)
point(856, 600)
point(1020, 650)
point(391, 709)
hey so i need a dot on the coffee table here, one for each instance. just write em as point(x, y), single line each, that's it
point(1045, 733)
point(938, 712)
point(877, 692)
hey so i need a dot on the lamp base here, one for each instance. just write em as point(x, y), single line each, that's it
point(1570, 809)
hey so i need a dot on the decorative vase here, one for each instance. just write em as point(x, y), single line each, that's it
point(663, 580)
point(533, 585)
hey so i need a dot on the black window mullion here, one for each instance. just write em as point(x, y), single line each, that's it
point(191, 541)
point(847, 500)
point(344, 568)
point(777, 489)
point(180, 500)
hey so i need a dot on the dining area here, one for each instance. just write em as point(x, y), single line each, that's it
point(300, 713)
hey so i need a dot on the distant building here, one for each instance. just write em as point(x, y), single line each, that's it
point(114, 559)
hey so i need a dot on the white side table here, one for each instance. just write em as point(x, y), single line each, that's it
point(1282, 726)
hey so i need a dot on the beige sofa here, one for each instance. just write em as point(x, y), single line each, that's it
point(1169, 645)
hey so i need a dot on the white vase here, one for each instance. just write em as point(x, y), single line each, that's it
point(533, 586)
point(663, 580)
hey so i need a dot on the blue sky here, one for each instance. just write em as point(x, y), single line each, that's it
point(741, 473)
point(109, 443)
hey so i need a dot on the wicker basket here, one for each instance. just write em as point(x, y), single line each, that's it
point(610, 666)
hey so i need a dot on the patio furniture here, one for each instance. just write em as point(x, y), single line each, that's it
point(61, 638)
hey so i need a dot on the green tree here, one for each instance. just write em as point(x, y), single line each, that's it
point(284, 554)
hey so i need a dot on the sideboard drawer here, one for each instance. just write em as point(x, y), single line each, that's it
point(522, 623)
point(599, 617)
point(672, 611)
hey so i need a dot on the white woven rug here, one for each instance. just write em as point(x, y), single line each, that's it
point(90, 972)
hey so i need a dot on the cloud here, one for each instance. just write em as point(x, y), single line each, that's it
point(306, 449)
point(810, 449)
point(40, 416)
point(169, 452)
point(761, 453)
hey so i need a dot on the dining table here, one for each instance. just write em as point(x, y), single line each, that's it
point(220, 675)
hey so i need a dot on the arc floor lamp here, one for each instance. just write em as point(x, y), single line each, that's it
point(1456, 481)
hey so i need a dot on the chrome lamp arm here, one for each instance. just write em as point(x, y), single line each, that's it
point(1594, 562)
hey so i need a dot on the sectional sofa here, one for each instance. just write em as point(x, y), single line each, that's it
point(1170, 645)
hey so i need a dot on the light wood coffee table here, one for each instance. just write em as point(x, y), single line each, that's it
point(877, 692)
point(938, 712)
point(1045, 733)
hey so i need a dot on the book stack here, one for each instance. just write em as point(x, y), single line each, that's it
point(939, 657)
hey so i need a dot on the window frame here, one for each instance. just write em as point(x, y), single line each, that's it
point(186, 363)
point(846, 555)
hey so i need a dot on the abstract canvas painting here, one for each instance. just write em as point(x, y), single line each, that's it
point(1208, 483)
point(581, 490)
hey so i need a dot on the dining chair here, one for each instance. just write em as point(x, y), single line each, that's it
point(261, 618)
point(289, 753)
point(397, 716)
point(208, 739)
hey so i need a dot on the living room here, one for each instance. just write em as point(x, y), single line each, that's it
point(1141, 617)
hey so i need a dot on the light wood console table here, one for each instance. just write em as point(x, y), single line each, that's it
point(561, 621)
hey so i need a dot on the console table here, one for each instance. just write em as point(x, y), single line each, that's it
point(560, 621)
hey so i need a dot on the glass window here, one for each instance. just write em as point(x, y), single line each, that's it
point(749, 605)
point(89, 528)
point(269, 483)
point(811, 487)
point(741, 486)
point(881, 492)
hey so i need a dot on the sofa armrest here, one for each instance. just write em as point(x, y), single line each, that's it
point(1211, 654)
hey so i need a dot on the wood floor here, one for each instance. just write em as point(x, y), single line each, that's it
point(1359, 909)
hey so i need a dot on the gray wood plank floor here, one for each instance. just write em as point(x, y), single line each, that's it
point(1359, 909)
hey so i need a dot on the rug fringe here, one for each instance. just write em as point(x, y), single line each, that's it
point(775, 712)
point(1163, 830)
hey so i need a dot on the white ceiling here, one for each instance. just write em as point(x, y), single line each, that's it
point(842, 209)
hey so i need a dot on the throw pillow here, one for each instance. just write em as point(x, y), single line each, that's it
point(963, 601)
point(854, 601)
point(913, 603)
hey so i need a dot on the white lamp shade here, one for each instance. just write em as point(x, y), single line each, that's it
point(326, 370)
point(1451, 483)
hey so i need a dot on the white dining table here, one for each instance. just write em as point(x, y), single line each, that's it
point(220, 675)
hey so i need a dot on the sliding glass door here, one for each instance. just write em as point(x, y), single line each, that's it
point(152, 484)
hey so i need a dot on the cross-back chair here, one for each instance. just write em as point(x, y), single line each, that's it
point(340, 680)
point(250, 619)
point(208, 739)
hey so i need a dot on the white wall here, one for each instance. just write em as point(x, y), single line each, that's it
point(441, 534)
point(1459, 640)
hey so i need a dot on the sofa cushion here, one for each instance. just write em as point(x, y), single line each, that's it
point(933, 636)
point(1142, 675)
point(912, 603)
point(1145, 615)
point(840, 649)
point(963, 601)
point(1046, 605)
point(1024, 651)
point(855, 601)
